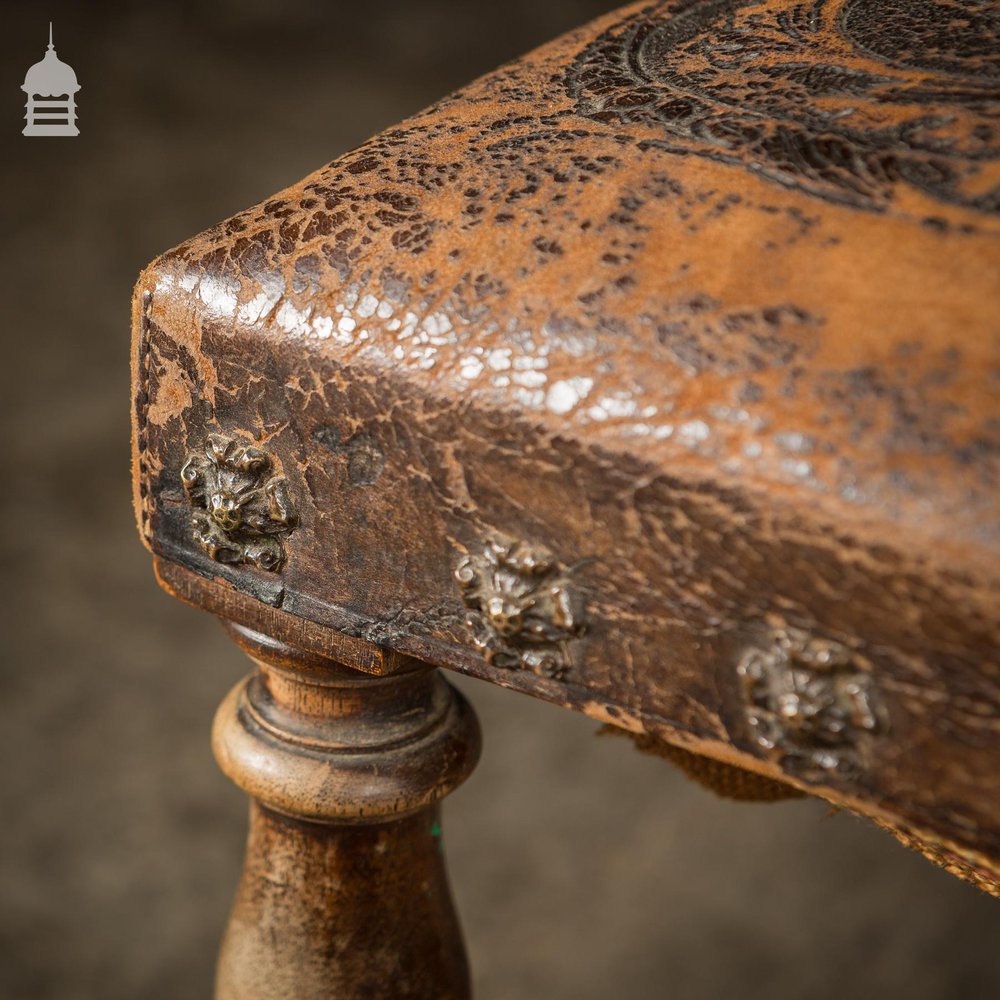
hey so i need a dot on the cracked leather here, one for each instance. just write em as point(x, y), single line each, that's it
point(701, 300)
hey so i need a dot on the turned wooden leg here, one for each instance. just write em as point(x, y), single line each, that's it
point(344, 893)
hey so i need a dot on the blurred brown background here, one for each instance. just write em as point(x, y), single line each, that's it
point(582, 869)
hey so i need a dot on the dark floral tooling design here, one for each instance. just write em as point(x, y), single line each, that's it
point(523, 610)
point(853, 101)
point(242, 512)
point(811, 704)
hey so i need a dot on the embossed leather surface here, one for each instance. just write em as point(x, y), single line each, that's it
point(654, 374)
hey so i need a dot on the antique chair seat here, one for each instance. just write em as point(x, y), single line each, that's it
point(653, 374)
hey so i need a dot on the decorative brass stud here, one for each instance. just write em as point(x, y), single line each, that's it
point(242, 512)
point(524, 612)
point(811, 704)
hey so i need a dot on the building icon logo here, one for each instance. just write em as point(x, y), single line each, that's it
point(51, 87)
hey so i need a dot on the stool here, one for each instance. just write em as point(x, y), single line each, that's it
point(653, 374)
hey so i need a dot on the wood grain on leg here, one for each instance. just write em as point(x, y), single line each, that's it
point(344, 893)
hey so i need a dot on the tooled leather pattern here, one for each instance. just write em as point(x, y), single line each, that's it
point(845, 100)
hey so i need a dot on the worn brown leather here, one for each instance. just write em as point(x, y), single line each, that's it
point(700, 298)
